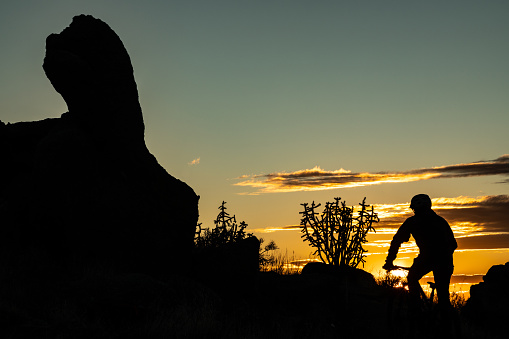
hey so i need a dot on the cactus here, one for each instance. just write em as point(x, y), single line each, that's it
point(336, 234)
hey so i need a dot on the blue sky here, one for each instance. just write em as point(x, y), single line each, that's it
point(261, 87)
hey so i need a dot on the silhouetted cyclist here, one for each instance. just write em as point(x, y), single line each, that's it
point(436, 243)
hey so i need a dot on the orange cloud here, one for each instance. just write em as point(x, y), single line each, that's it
point(477, 223)
point(276, 229)
point(318, 179)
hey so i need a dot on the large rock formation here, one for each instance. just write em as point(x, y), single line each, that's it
point(82, 190)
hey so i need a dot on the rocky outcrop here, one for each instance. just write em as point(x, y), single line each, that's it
point(488, 305)
point(83, 190)
point(88, 65)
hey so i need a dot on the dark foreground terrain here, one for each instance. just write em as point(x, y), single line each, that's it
point(261, 305)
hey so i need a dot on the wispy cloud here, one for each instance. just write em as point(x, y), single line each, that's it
point(484, 241)
point(466, 214)
point(194, 162)
point(276, 229)
point(319, 179)
point(477, 223)
point(489, 213)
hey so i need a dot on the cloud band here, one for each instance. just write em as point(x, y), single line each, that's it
point(319, 179)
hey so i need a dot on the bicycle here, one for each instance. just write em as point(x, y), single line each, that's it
point(428, 301)
point(409, 317)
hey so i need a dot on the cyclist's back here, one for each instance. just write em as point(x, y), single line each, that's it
point(432, 234)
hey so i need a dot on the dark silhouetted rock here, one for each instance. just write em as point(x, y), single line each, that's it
point(353, 275)
point(83, 190)
point(328, 296)
point(488, 304)
point(240, 257)
point(89, 66)
point(230, 270)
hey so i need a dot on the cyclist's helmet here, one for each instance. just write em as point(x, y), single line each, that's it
point(420, 202)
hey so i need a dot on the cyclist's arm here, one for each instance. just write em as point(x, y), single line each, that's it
point(401, 236)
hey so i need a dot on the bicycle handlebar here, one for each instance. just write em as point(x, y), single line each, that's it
point(395, 267)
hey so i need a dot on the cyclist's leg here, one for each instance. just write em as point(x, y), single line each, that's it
point(418, 270)
point(442, 274)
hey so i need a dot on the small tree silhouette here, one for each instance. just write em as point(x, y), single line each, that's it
point(267, 256)
point(337, 235)
point(226, 231)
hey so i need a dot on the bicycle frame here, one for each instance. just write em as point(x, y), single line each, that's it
point(421, 291)
point(429, 311)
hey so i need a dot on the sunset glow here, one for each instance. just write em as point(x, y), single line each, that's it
point(484, 238)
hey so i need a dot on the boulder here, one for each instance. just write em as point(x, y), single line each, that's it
point(230, 269)
point(82, 191)
point(240, 257)
point(488, 305)
point(344, 273)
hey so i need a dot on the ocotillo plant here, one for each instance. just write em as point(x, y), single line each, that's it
point(336, 234)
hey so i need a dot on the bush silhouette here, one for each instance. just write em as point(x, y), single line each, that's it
point(226, 231)
point(268, 258)
point(336, 234)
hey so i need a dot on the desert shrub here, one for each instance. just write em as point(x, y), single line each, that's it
point(268, 256)
point(389, 280)
point(336, 234)
point(283, 263)
point(458, 300)
point(226, 231)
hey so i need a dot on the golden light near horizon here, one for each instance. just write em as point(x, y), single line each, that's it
point(455, 210)
point(399, 273)
point(470, 263)
point(392, 216)
point(472, 259)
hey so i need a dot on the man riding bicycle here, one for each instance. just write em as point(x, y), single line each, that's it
point(436, 243)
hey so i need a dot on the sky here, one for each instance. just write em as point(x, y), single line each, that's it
point(270, 104)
